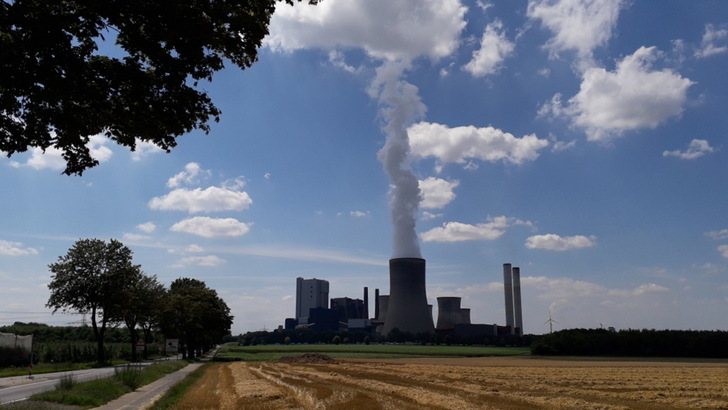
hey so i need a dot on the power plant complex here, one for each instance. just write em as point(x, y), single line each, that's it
point(405, 308)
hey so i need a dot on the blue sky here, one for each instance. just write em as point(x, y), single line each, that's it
point(583, 141)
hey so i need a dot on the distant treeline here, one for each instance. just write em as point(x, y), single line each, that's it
point(43, 333)
point(650, 343)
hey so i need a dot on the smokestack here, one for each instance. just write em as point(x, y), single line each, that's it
point(448, 312)
point(508, 291)
point(366, 302)
point(376, 304)
point(408, 309)
point(517, 301)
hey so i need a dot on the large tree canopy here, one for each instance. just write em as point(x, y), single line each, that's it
point(94, 277)
point(57, 89)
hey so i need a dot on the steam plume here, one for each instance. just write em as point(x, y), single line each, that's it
point(400, 106)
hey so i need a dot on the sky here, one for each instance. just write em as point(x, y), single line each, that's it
point(582, 141)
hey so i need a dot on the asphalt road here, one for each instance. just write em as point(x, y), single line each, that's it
point(21, 387)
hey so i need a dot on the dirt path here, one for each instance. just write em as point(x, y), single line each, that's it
point(453, 384)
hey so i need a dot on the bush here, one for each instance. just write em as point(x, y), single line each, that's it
point(130, 376)
point(66, 382)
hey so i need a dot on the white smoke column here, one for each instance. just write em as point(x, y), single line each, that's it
point(401, 106)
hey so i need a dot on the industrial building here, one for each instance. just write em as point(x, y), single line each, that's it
point(405, 308)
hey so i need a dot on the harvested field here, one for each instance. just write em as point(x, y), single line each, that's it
point(463, 383)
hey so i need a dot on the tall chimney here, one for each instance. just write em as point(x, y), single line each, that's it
point(408, 310)
point(517, 301)
point(508, 291)
point(376, 303)
point(366, 303)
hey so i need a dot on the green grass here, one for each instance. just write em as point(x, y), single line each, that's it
point(95, 393)
point(273, 352)
point(176, 392)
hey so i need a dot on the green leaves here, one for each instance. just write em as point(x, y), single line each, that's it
point(57, 90)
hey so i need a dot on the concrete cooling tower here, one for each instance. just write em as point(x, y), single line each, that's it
point(448, 312)
point(408, 310)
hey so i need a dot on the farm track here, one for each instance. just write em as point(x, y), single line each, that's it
point(464, 384)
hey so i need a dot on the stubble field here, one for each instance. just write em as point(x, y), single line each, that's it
point(463, 383)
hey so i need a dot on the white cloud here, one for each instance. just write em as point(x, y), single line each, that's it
point(571, 289)
point(194, 249)
point(134, 237)
point(8, 248)
point(630, 98)
point(393, 30)
point(211, 227)
point(462, 143)
point(555, 242)
point(436, 192)
point(190, 176)
point(337, 59)
point(52, 158)
point(723, 249)
point(144, 149)
point(721, 234)
point(708, 46)
point(210, 199)
point(207, 261)
point(426, 216)
point(494, 48)
point(147, 227)
point(696, 149)
point(580, 25)
point(457, 231)
point(359, 214)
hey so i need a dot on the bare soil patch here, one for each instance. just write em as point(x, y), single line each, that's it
point(466, 383)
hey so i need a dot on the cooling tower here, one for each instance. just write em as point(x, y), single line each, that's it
point(448, 312)
point(465, 316)
point(508, 290)
point(408, 309)
point(517, 301)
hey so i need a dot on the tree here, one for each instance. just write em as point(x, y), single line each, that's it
point(57, 88)
point(195, 314)
point(140, 306)
point(93, 277)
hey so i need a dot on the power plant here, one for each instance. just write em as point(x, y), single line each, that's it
point(405, 308)
point(408, 310)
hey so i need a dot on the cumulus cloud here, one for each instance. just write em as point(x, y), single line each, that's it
point(52, 158)
point(567, 288)
point(632, 97)
point(494, 48)
point(210, 199)
point(720, 234)
point(8, 248)
point(144, 149)
point(460, 144)
point(712, 37)
point(723, 249)
point(579, 25)
point(207, 261)
point(135, 237)
point(147, 227)
point(555, 242)
point(192, 175)
point(696, 149)
point(458, 232)
point(436, 193)
point(392, 30)
point(211, 227)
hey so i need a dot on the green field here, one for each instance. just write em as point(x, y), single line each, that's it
point(232, 351)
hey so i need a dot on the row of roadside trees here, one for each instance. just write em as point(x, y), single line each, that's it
point(99, 278)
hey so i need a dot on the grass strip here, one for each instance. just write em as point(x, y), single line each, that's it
point(95, 393)
point(175, 393)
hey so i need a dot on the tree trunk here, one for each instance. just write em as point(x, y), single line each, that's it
point(99, 335)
